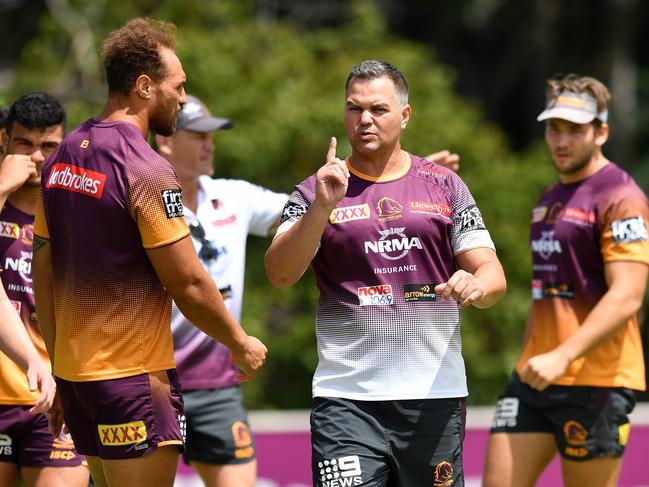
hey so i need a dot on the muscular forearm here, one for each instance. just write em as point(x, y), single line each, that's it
point(607, 318)
point(491, 277)
point(200, 301)
point(42, 276)
point(14, 340)
point(291, 253)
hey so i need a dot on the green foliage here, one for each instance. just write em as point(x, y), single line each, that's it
point(284, 88)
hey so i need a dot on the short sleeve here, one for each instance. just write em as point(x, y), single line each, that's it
point(623, 226)
point(468, 230)
point(40, 223)
point(296, 206)
point(155, 200)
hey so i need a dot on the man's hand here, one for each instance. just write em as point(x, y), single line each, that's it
point(331, 179)
point(40, 379)
point(251, 359)
point(542, 370)
point(445, 158)
point(55, 417)
point(15, 169)
point(463, 287)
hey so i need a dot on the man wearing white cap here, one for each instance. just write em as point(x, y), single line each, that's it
point(573, 386)
point(221, 213)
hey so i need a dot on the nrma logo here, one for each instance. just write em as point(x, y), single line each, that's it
point(546, 245)
point(340, 472)
point(393, 244)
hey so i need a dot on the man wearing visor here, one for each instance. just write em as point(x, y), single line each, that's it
point(573, 386)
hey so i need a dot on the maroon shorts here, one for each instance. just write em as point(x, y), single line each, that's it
point(25, 441)
point(124, 418)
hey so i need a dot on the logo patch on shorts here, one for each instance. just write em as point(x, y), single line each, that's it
point(623, 432)
point(5, 444)
point(242, 440)
point(182, 424)
point(443, 474)
point(172, 200)
point(419, 292)
point(506, 413)
point(342, 471)
point(122, 434)
point(576, 436)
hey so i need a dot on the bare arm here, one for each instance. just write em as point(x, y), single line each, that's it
point(626, 285)
point(198, 298)
point(15, 169)
point(445, 158)
point(291, 253)
point(43, 292)
point(17, 344)
point(480, 281)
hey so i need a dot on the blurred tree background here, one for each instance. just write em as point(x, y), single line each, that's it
point(476, 70)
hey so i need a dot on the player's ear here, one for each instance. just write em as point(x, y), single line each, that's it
point(601, 134)
point(405, 116)
point(144, 86)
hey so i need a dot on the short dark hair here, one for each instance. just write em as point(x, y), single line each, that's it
point(4, 111)
point(36, 110)
point(372, 69)
point(133, 50)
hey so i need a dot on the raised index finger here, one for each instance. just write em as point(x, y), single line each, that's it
point(331, 153)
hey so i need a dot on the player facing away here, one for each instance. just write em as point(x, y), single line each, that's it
point(221, 213)
point(111, 247)
point(398, 247)
point(35, 126)
point(572, 388)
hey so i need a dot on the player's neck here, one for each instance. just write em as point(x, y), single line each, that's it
point(118, 109)
point(597, 162)
point(379, 165)
point(25, 199)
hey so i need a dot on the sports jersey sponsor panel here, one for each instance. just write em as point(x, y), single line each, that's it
point(172, 200)
point(350, 213)
point(292, 211)
point(9, 230)
point(77, 179)
point(558, 290)
point(393, 244)
point(629, 230)
point(430, 207)
point(419, 292)
point(122, 434)
point(537, 289)
point(546, 245)
point(538, 213)
point(375, 295)
point(579, 216)
point(471, 219)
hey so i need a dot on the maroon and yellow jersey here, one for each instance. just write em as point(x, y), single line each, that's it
point(106, 197)
point(16, 267)
point(576, 229)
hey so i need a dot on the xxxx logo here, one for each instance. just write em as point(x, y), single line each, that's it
point(350, 213)
point(122, 434)
point(10, 230)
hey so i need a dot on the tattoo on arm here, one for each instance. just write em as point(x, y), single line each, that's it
point(38, 243)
